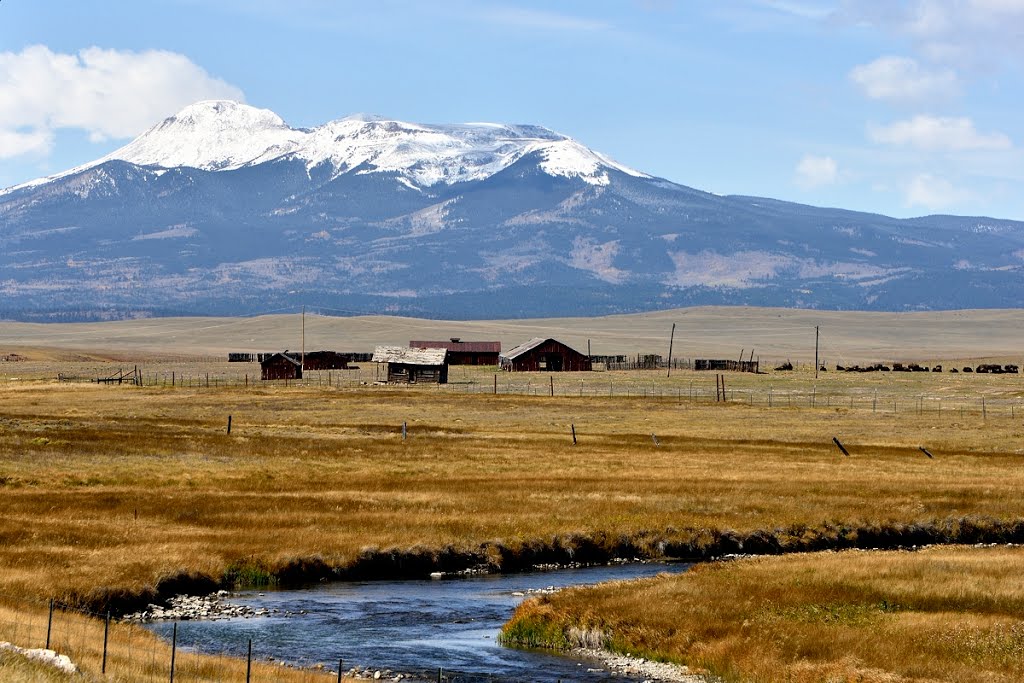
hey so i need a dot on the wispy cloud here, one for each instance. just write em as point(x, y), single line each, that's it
point(938, 133)
point(934, 193)
point(804, 10)
point(542, 20)
point(904, 79)
point(959, 33)
point(814, 171)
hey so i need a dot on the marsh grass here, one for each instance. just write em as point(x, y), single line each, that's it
point(940, 614)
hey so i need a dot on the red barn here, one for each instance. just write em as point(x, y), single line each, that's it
point(464, 352)
point(544, 355)
point(280, 366)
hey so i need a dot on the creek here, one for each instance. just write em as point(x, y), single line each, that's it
point(409, 627)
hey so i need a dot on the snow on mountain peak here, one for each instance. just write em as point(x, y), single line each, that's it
point(220, 135)
point(212, 135)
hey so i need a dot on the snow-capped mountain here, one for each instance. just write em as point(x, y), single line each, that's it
point(224, 208)
point(221, 135)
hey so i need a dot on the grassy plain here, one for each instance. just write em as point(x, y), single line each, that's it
point(940, 614)
point(106, 491)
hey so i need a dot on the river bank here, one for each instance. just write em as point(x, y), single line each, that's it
point(943, 613)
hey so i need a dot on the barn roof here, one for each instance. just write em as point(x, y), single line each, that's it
point(408, 356)
point(463, 346)
point(526, 346)
point(284, 355)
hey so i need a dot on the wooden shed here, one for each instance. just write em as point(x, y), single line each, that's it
point(280, 366)
point(412, 366)
point(544, 355)
point(464, 352)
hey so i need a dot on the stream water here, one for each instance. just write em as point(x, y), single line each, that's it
point(409, 627)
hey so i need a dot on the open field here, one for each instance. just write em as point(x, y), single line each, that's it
point(111, 496)
point(940, 614)
point(107, 489)
point(847, 337)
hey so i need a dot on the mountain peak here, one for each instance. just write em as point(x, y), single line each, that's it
point(222, 135)
point(223, 114)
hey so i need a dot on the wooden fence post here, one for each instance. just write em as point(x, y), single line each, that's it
point(174, 648)
point(49, 625)
point(106, 633)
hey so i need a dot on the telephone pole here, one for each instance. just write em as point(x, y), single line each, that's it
point(816, 366)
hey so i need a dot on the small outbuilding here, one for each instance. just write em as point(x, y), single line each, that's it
point(280, 366)
point(544, 355)
point(464, 352)
point(413, 366)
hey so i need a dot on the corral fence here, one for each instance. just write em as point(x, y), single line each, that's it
point(103, 648)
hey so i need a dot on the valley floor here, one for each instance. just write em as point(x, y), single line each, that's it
point(114, 495)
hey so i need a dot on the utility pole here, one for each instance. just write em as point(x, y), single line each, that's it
point(303, 356)
point(671, 339)
point(816, 366)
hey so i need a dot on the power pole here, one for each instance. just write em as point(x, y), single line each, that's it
point(816, 366)
point(303, 356)
point(671, 339)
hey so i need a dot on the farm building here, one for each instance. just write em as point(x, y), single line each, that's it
point(464, 352)
point(280, 366)
point(326, 360)
point(544, 355)
point(412, 366)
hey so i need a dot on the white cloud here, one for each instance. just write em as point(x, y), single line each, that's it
point(14, 143)
point(962, 33)
point(814, 172)
point(107, 93)
point(938, 133)
point(902, 78)
point(934, 193)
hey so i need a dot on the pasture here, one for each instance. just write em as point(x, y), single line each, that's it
point(110, 495)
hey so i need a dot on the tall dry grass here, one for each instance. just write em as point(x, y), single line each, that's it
point(134, 654)
point(114, 495)
point(942, 614)
point(107, 489)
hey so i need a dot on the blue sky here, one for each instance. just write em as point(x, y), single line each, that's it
point(903, 108)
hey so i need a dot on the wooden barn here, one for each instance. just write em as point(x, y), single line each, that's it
point(326, 360)
point(280, 366)
point(464, 352)
point(413, 366)
point(544, 355)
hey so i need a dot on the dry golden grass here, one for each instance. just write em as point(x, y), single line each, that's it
point(941, 614)
point(105, 490)
point(134, 654)
point(325, 473)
